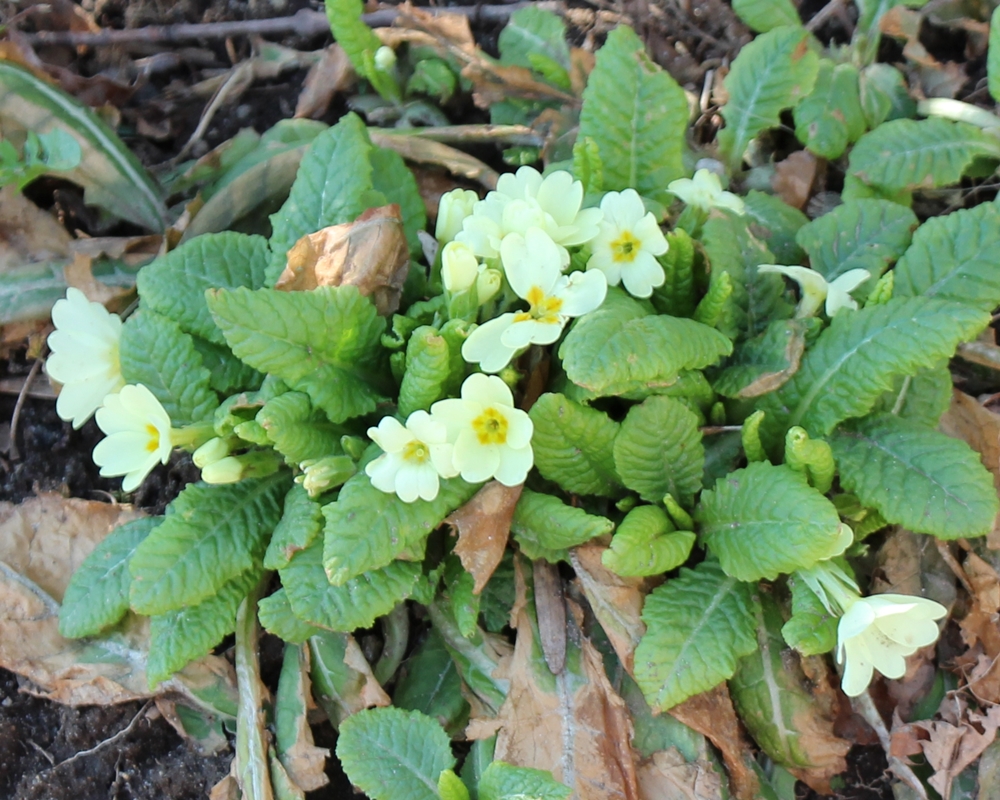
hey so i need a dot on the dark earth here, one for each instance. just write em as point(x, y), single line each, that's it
point(129, 752)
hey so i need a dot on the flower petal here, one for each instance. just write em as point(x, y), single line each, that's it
point(485, 345)
point(582, 292)
point(519, 428)
point(487, 390)
point(531, 331)
point(514, 465)
point(642, 275)
point(476, 462)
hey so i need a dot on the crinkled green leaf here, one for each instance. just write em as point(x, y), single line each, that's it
point(859, 234)
point(861, 354)
point(993, 57)
point(776, 224)
point(885, 95)
point(367, 528)
point(637, 115)
point(297, 431)
point(658, 450)
point(954, 257)
point(174, 284)
point(647, 544)
point(763, 15)
point(502, 781)
point(227, 374)
point(573, 446)
point(619, 348)
point(430, 683)
point(811, 629)
point(769, 75)
point(763, 520)
point(533, 31)
point(677, 294)
point(187, 633)
point(393, 179)
point(97, 595)
point(350, 30)
point(545, 527)
point(325, 343)
point(300, 523)
point(830, 117)
point(758, 298)
point(211, 534)
point(766, 362)
point(498, 596)
point(697, 626)
point(333, 185)
point(356, 604)
point(915, 477)
point(771, 696)
point(434, 365)
point(906, 154)
point(276, 617)
point(155, 352)
point(391, 754)
point(922, 398)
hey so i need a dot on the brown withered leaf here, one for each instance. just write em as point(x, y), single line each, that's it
point(370, 253)
point(425, 151)
point(980, 630)
point(795, 334)
point(550, 610)
point(667, 776)
point(483, 526)
point(331, 74)
point(454, 29)
point(615, 601)
point(369, 693)
point(712, 714)
point(968, 420)
point(794, 178)
point(304, 762)
point(27, 234)
point(573, 724)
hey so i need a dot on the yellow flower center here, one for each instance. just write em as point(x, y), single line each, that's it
point(543, 309)
point(416, 451)
point(490, 427)
point(625, 247)
point(154, 438)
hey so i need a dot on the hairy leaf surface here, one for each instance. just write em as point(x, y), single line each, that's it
point(647, 544)
point(545, 527)
point(300, 523)
point(830, 117)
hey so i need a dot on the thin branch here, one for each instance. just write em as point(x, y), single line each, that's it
point(101, 745)
point(866, 708)
point(304, 23)
point(15, 418)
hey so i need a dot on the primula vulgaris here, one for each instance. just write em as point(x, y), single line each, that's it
point(533, 267)
point(138, 435)
point(492, 439)
point(415, 457)
point(625, 250)
point(526, 200)
point(816, 291)
point(461, 270)
point(704, 192)
point(84, 356)
point(453, 208)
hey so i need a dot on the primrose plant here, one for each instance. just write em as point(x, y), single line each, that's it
point(611, 344)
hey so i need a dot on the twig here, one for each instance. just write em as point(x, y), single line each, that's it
point(827, 11)
point(866, 708)
point(15, 454)
point(122, 733)
point(304, 23)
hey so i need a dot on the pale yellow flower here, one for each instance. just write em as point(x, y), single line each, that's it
point(626, 248)
point(816, 291)
point(704, 191)
point(415, 457)
point(138, 435)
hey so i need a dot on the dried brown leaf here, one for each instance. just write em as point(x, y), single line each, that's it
point(426, 151)
point(331, 74)
point(712, 715)
point(27, 234)
point(794, 178)
point(370, 253)
point(771, 381)
point(369, 694)
point(550, 609)
point(79, 275)
point(667, 776)
point(483, 526)
point(304, 762)
point(452, 29)
point(951, 746)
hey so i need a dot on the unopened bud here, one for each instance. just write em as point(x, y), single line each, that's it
point(459, 267)
point(225, 470)
point(488, 284)
point(326, 473)
point(385, 59)
point(213, 450)
point(453, 208)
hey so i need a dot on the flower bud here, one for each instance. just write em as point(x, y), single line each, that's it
point(213, 450)
point(488, 284)
point(225, 470)
point(459, 267)
point(326, 473)
point(385, 59)
point(454, 207)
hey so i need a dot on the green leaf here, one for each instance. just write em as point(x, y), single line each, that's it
point(830, 117)
point(918, 478)
point(768, 361)
point(776, 224)
point(697, 626)
point(763, 520)
point(923, 397)
point(356, 604)
point(300, 524)
point(545, 527)
point(174, 285)
point(187, 633)
point(325, 343)
point(430, 683)
point(111, 175)
point(677, 294)
point(954, 257)
point(770, 693)
point(211, 534)
point(155, 352)
point(393, 179)
point(861, 354)
point(450, 787)
point(434, 366)
point(276, 616)
point(811, 629)
point(764, 15)
point(769, 75)
point(885, 95)
point(333, 185)
point(993, 57)
point(292, 735)
point(367, 528)
point(647, 544)
point(502, 781)
point(297, 431)
point(658, 450)
point(391, 754)
point(227, 374)
point(906, 154)
point(573, 446)
point(533, 31)
point(619, 348)
point(97, 595)
point(637, 115)
point(351, 32)
point(859, 234)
